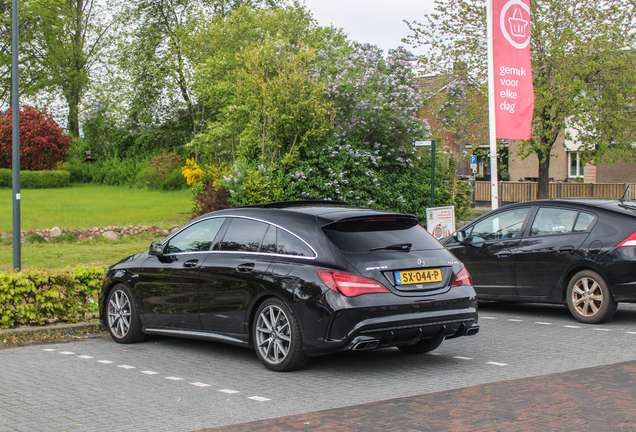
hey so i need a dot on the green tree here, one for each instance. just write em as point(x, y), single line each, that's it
point(584, 72)
point(255, 79)
point(71, 38)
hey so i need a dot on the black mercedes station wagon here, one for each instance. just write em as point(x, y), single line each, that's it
point(294, 280)
point(576, 252)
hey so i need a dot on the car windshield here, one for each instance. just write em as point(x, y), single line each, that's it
point(392, 234)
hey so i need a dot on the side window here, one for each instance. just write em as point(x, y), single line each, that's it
point(289, 244)
point(244, 235)
point(551, 221)
point(584, 221)
point(506, 224)
point(195, 238)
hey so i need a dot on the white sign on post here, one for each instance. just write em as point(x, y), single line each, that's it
point(440, 221)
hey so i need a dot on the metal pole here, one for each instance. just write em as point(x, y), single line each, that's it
point(432, 173)
point(15, 104)
point(494, 195)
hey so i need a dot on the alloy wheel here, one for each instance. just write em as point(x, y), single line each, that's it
point(587, 297)
point(273, 334)
point(119, 314)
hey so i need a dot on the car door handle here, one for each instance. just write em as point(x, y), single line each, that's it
point(245, 268)
point(191, 263)
point(566, 249)
point(503, 254)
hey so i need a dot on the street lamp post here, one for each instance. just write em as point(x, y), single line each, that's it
point(15, 103)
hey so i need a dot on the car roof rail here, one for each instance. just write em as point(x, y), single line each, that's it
point(298, 203)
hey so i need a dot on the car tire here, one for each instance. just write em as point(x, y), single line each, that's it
point(122, 316)
point(422, 346)
point(277, 339)
point(589, 298)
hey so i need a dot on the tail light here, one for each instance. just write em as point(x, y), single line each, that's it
point(350, 285)
point(463, 278)
point(629, 241)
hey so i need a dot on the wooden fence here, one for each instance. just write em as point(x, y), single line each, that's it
point(527, 191)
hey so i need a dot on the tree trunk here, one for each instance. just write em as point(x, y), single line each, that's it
point(543, 187)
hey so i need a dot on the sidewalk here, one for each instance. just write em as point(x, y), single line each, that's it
point(595, 399)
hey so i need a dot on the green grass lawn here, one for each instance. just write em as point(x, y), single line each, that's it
point(92, 205)
point(60, 255)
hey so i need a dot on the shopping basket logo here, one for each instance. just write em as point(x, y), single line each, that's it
point(517, 24)
point(514, 22)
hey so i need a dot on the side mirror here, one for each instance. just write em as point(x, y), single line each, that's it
point(156, 249)
point(459, 236)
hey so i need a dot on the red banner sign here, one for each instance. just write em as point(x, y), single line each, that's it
point(514, 94)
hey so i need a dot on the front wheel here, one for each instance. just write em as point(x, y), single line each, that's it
point(589, 298)
point(122, 316)
point(277, 339)
point(422, 346)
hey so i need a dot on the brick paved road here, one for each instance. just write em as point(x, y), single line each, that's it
point(181, 385)
point(593, 399)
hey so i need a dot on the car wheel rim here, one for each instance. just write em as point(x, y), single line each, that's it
point(587, 297)
point(119, 314)
point(273, 334)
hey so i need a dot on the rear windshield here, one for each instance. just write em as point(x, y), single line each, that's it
point(364, 235)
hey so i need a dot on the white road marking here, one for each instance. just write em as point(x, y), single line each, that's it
point(126, 367)
point(85, 357)
point(259, 399)
point(149, 372)
point(228, 391)
point(433, 353)
point(571, 326)
point(48, 349)
point(66, 352)
point(173, 378)
point(494, 318)
point(198, 384)
point(543, 323)
point(515, 320)
point(104, 361)
point(630, 332)
point(596, 329)
point(497, 364)
point(463, 358)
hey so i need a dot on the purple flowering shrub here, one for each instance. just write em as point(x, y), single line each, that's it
point(370, 175)
point(376, 99)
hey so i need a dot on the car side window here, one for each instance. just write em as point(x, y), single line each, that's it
point(289, 244)
point(584, 221)
point(505, 224)
point(195, 238)
point(244, 235)
point(551, 221)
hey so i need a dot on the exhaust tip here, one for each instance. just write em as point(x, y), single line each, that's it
point(473, 330)
point(360, 344)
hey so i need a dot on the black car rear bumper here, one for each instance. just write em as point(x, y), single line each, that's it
point(355, 327)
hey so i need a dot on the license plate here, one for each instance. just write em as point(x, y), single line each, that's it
point(418, 276)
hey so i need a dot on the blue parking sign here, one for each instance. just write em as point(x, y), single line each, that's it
point(473, 159)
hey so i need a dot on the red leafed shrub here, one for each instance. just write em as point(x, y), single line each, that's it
point(209, 199)
point(43, 143)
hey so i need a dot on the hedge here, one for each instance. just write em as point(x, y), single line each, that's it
point(35, 179)
point(41, 296)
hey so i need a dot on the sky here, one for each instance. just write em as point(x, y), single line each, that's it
point(378, 22)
